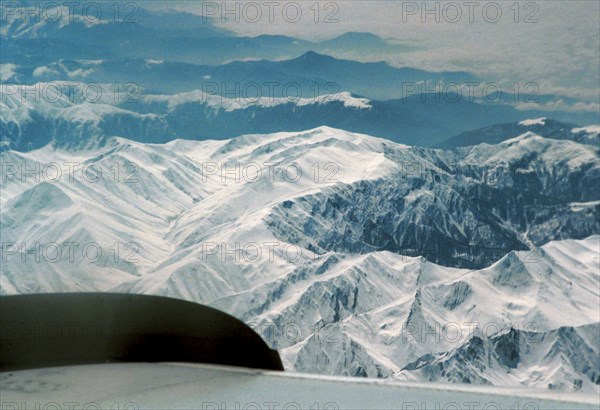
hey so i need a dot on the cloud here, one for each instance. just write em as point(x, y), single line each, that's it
point(559, 105)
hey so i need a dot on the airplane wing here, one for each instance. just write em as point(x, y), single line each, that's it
point(132, 386)
point(129, 352)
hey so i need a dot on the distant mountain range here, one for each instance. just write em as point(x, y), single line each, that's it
point(167, 59)
point(138, 33)
point(308, 75)
point(73, 120)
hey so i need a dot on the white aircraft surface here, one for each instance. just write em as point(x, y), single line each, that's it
point(130, 386)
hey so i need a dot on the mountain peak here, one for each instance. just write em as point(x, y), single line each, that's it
point(543, 127)
point(313, 56)
point(362, 35)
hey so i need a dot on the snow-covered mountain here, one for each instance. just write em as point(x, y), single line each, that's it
point(71, 113)
point(353, 255)
point(545, 127)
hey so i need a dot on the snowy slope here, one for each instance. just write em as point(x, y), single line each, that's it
point(351, 254)
point(16, 24)
point(72, 114)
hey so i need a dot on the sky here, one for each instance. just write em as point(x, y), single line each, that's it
point(555, 44)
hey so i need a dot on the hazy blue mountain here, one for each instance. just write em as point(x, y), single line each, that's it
point(106, 42)
point(362, 43)
point(134, 34)
point(374, 80)
point(313, 73)
point(145, 34)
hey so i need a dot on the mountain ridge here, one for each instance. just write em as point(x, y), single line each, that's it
point(355, 306)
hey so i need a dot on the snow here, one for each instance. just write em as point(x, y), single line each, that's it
point(590, 129)
point(43, 70)
point(549, 151)
point(68, 103)
point(372, 300)
point(8, 72)
point(580, 206)
point(231, 104)
point(16, 25)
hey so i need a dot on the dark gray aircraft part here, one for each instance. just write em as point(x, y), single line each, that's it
point(44, 330)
